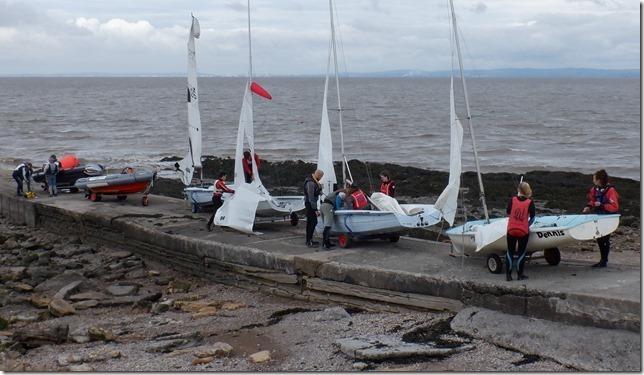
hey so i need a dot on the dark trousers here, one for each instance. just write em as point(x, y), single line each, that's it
point(18, 177)
point(216, 200)
point(311, 222)
point(604, 248)
point(519, 253)
point(326, 236)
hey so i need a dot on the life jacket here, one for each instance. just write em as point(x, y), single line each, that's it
point(518, 222)
point(51, 168)
point(221, 188)
point(312, 200)
point(387, 188)
point(359, 200)
point(600, 195)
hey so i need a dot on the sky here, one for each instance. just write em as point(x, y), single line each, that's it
point(292, 36)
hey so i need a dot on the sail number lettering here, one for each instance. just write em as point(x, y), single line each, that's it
point(554, 233)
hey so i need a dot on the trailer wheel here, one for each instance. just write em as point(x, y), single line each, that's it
point(494, 263)
point(394, 237)
point(144, 200)
point(121, 197)
point(194, 208)
point(294, 219)
point(552, 255)
point(94, 197)
point(344, 240)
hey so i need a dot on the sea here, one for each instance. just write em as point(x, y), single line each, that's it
point(520, 125)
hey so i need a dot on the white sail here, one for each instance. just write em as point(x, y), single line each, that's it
point(325, 147)
point(447, 201)
point(245, 134)
point(192, 159)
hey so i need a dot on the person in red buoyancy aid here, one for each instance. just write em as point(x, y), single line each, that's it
point(220, 189)
point(387, 186)
point(602, 199)
point(248, 166)
point(521, 212)
point(356, 199)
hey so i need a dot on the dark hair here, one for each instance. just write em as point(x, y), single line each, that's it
point(53, 156)
point(222, 174)
point(246, 153)
point(602, 176)
point(385, 173)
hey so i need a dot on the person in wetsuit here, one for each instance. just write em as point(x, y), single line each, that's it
point(248, 166)
point(387, 185)
point(312, 190)
point(521, 212)
point(602, 199)
point(220, 189)
point(22, 173)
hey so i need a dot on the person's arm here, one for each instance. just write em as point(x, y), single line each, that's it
point(222, 185)
point(509, 207)
point(612, 200)
point(348, 205)
point(533, 212)
point(310, 195)
point(392, 189)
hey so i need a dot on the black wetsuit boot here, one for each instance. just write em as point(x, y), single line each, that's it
point(604, 249)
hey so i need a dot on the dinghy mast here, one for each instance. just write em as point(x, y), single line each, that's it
point(345, 163)
point(467, 107)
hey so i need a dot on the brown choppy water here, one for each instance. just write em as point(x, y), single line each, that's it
point(520, 124)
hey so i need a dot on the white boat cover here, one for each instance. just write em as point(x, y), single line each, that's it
point(238, 211)
point(489, 233)
point(383, 202)
point(192, 159)
point(447, 202)
point(325, 146)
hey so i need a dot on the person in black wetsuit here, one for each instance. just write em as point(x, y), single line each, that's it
point(312, 190)
point(22, 173)
point(603, 199)
point(521, 214)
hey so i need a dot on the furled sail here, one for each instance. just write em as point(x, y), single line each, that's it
point(447, 201)
point(192, 159)
point(325, 146)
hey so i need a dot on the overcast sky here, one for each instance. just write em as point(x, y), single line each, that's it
point(291, 36)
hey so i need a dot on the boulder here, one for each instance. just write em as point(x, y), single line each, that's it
point(218, 349)
point(177, 286)
point(87, 296)
point(114, 255)
point(10, 244)
point(68, 289)
point(381, 348)
point(19, 287)
point(32, 337)
point(100, 334)
point(56, 283)
point(260, 357)
point(202, 360)
point(60, 307)
point(39, 301)
point(79, 335)
point(66, 359)
point(12, 273)
point(332, 314)
point(161, 307)
point(86, 304)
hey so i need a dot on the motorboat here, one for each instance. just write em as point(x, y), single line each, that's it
point(121, 185)
point(70, 171)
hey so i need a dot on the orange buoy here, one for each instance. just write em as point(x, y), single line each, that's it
point(69, 161)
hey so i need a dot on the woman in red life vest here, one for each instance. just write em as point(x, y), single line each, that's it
point(247, 163)
point(220, 189)
point(387, 186)
point(521, 214)
point(602, 199)
point(355, 199)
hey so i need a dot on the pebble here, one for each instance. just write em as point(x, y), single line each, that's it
point(260, 357)
point(60, 307)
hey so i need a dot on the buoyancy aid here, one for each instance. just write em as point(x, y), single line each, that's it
point(518, 222)
point(359, 200)
point(608, 198)
point(221, 188)
point(388, 188)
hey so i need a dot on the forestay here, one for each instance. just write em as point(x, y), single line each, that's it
point(192, 159)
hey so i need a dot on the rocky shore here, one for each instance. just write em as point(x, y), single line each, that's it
point(66, 305)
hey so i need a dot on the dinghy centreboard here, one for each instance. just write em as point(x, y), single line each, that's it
point(252, 199)
point(389, 218)
point(488, 237)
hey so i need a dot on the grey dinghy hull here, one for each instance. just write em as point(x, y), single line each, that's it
point(200, 197)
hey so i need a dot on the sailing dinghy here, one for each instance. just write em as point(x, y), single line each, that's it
point(252, 199)
point(389, 218)
point(488, 237)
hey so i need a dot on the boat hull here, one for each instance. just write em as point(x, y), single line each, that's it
point(118, 184)
point(66, 178)
point(547, 232)
point(201, 197)
point(373, 223)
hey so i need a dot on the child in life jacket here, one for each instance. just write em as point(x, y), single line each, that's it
point(521, 214)
point(602, 199)
point(387, 185)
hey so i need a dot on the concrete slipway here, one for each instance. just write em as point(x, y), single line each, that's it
point(411, 273)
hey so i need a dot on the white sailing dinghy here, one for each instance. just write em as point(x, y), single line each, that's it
point(252, 199)
point(390, 217)
point(488, 237)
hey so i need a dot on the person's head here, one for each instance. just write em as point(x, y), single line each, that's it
point(53, 157)
point(29, 165)
point(247, 155)
point(384, 176)
point(600, 178)
point(223, 176)
point(318, 174)
point(524, 190)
